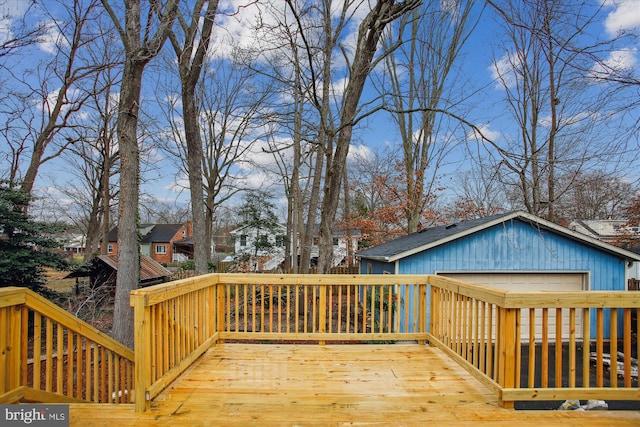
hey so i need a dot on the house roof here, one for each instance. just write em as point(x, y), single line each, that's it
point(149, 269)
point(431, 237)
point(158, 233)
point(161, 233)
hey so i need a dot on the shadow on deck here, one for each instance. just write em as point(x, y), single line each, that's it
point(270, 384)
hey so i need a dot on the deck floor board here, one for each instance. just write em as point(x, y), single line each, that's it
point(336, 385)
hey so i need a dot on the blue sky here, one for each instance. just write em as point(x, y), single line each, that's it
point(477, 75)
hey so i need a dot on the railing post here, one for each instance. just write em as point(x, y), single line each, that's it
point(142, 351)
point(507, 342)
point(220, 314)
point(322, 311)
point(15, 337)
point(422, 316)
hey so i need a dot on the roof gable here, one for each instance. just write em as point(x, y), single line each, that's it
point(158, 233)
point(431, 237)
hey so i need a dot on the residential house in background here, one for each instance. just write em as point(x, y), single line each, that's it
point(247, 238)
point(74, 244)
point(613, 231)
point(245, 244)
point(163, 243)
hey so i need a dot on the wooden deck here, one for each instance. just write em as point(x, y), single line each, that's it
point(390, 384)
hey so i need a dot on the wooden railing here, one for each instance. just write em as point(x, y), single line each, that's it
point(48, 355)
point(174, 324)
point(178, 321)
point(565, 344)
point(480, 327)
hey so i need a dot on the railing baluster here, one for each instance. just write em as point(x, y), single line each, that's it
point(613, 347)
point(532, 348)
point(586, 346)
point(558, 346)
point(59, 358)
point(48, 371)
point(544, 369)
point(599, 347)
point(572, 347)
point(37, 343)
point(627, 347)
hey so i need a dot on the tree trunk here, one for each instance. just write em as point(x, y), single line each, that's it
point(194, 162)
point(128, 277)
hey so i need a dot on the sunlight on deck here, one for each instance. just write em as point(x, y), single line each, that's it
point(401, 384)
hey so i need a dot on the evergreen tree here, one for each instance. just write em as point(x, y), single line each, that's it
point(257, 213)
point(26, 246)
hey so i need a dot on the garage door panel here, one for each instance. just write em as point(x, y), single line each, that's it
point(534, 282)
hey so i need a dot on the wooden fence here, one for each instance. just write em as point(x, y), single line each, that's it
point(48, 355)
point(480, 327)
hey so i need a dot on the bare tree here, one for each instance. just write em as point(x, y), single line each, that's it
point(142, 42)
point(19, 34)
point(231, 114)
point(418, 75)
point(42, 130)
point(190, 42)
point(336, 127)
point(544, 86)
point(595, 195)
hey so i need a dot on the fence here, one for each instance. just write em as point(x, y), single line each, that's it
point(479, 327)
point(51, 356)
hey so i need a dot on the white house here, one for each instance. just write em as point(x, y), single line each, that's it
point(245, 244)
point(615, 232)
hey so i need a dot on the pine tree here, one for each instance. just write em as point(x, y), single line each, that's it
point(26, 246)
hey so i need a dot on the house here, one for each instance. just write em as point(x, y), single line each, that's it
point(245, 244)
point(268, 246)
point(163, 243)
point(614, 231)
point(512, 251)
point(73, 244)
point(102, 271)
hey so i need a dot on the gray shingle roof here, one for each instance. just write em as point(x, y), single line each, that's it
point(435, 236)
point(423, 238)
point(160, 233)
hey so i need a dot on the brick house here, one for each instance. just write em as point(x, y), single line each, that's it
point(163, 243)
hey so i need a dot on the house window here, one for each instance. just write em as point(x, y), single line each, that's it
point(161, 249)
point(243, 240)
point(335, 241)
point(369, 268)
point(109, 248)
point(280, 241)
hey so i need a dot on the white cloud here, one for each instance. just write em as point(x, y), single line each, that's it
point(625, 16)
point(359, 151)
point(619, 61)
point(503, 73)
point(53, 39)
point(483, 131)
point(10, 10)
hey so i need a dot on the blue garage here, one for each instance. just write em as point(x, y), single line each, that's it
point(512, 251)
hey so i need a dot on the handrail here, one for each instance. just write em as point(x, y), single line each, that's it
point(178, 321)
point(49, 351)
point(482, 328)
point(174, 325)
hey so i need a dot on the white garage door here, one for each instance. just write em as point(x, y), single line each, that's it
point(533, 282)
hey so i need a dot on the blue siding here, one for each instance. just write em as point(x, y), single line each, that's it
point(515, 246)
point(518, 246)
